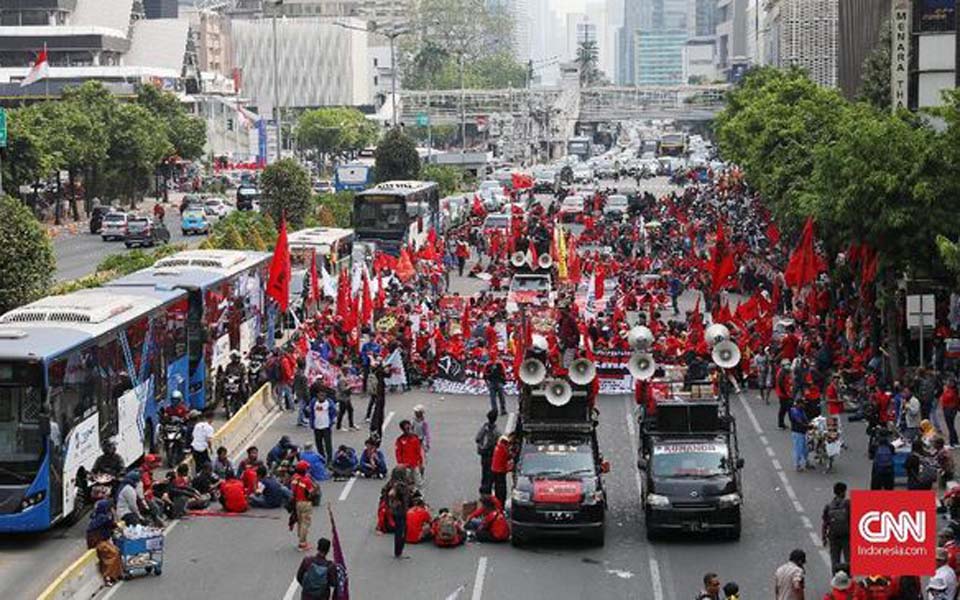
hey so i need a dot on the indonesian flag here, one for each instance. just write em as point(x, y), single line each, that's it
point(39, 70)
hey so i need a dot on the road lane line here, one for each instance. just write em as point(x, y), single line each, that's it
point(770, 451)
point(797, 506)
point(346, 489)
point(807, 522)
point(291, 590)
point(478, 582)
point(763, 440)
point(655, 579)
point(387, 420)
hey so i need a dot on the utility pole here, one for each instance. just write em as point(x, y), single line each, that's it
point(277, 114)
point(463, 112)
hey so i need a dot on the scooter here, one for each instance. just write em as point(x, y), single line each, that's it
point(232, 394)
point(172, 434)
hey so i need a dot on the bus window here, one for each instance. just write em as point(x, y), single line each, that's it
point(195, 340)
point(113, 384)
point(21, 436)
point(373, 215)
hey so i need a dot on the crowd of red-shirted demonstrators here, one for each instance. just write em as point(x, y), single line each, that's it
point(811, 341)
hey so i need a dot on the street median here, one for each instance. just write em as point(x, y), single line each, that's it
point(81, 580)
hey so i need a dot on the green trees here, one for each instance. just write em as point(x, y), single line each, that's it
point(334, 132)
point(112, 147)
point(448, 178)
point(588, 60)
point(396, 157)
point(285, 189)
point(26, 256)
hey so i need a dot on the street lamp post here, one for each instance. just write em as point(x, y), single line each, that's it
point(463, 111)
point(277, 115)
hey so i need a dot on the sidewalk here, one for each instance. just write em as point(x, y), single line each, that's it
point(69, 228)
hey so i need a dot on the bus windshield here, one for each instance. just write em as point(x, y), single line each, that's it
point(379, 215)
point(21, 434)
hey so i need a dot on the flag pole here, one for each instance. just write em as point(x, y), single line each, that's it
point(46, 80)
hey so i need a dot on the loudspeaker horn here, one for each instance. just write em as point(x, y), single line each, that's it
point(544, 261)
point(640, 337)
point(582, 371)
point(641, 365)
point(726, 354)
point(558, 392)
point(716, 333)
point(532, 372)
point(518, 259)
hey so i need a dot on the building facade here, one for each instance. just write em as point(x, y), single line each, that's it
point(731, 36)
point(659, 56)
point(858, 34)
point(803, 33)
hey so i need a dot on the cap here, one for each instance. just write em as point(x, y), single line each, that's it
point(302, 467)
point(840, 581)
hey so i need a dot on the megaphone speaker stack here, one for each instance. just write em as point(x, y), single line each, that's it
point(532, 372)
point(582, 371)
point(544, 261)
point(518, 259)
point(558, 392)
point(716, 334)
point(726, 354)
point(641, 365)
point(640, 337)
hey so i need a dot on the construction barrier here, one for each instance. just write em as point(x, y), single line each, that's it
point(81, 580)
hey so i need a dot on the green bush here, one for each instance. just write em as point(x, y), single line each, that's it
point(339, 205)
point(26, 256)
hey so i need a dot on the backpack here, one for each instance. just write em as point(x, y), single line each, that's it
point(838, 519)
point(883, 457)
point(927, 472)
point(316, 579)
point(446, 531)
point(488, 440)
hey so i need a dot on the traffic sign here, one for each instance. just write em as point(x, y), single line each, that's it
point(423, 119)
point(3, 128)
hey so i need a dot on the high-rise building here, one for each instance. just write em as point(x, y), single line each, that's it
point(731, 35)
point(859, 27)
point(803, 33)
point(702, 18)
point(658, 42)
point(161, 9)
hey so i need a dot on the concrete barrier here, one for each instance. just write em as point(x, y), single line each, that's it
point(81, 580)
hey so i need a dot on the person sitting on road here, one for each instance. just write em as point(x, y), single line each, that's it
point(252, 459)
point(493, 525)
point(372, 461)
point(280, 452)
point(206, 481)
point(418, 521)
point(344, 463)
point(232, 497)
point(318, 465)
point(222, 463)
point(128, 508)
point(270, 494)
point(447, 530)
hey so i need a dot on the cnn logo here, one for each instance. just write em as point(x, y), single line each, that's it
point(883, 526)
point(893, 533)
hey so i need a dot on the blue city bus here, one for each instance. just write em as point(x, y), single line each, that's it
point(226, 307)
point(77, 369)
point(395, 214)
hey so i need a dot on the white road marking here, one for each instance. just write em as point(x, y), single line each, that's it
point(478, 582)
point(655, 579)
point(788, 488)
point(294, 586)
point(511, 423)
point(346, 489)
point(387, 420)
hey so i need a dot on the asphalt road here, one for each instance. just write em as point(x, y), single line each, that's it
point(79, 254)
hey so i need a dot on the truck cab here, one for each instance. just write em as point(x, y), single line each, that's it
point(690, 468)
point(559, 489)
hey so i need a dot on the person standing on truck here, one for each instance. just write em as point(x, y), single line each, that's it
point(835, 526)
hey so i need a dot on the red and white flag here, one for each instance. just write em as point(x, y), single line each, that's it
point(39, 70)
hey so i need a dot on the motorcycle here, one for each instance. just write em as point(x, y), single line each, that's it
point(232, 394)
point(172, 434)
point(254, 369)
point(100, 486)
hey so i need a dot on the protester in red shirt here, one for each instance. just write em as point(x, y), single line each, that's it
point(418, 522)
point(500, 465)
point(408, 449)
point(789, 345)
point(303, 489)
point(250, 480)
point(950, 401)
point(232, 495)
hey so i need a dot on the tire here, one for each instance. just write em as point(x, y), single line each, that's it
point(734, 534)
point(128, 245)
point(652, 534)
point(518, 540)
point(184, 232)
point(104, 238)
point(599, 537)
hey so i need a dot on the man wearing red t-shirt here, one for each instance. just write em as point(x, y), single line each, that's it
point(789, 345)
point(232, 496)
point(302, 487)
point(418, 522)
point(408, 450)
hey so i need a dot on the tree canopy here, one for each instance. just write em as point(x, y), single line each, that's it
point(396, 157)
point(26, 256)
point(285, 189)
point(335, 132)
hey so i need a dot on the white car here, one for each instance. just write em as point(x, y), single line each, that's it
point(572, 204)
point(616, 205)
point(114, 226)
point(582, 175)
point(216, 207)
point(529, 288)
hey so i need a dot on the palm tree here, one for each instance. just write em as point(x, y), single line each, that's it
point(588, 58)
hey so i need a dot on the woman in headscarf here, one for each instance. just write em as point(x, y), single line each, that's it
point(99, 533)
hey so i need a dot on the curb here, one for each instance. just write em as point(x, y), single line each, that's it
point(81, 580)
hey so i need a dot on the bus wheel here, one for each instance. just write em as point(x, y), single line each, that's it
point(79, 502)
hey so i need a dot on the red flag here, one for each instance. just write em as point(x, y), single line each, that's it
point(343, 296)
point(532, 251)
point(381, 293)
point(773, 234)
point(314, 280)
point(520, 347)
point(721, 262)
point(432, 236)
point(696, 323)
point(521, 181)
point(869, 271)
point(465, 325)
point(804, 265)
point(478, 209)
point(573, 262)
point(404, 268)
point(342, 591)
point(367, 307)
point(278, 284)
point(599, 278)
